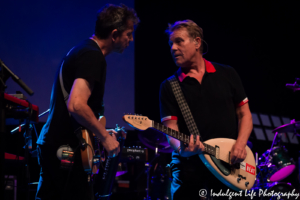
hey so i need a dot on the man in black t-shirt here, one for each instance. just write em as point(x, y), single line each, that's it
point(216, 98)
point(77, 100)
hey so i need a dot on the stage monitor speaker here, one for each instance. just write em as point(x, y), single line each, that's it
point(10, 183)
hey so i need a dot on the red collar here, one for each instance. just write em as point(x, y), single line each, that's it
point(208, 67)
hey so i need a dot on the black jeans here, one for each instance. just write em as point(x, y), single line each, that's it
point(61, 184)
point(192, 180)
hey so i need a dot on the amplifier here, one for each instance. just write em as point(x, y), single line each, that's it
point(134, 154)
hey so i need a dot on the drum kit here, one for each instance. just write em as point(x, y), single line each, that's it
point(275, 164)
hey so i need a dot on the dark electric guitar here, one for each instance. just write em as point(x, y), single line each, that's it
point(216, 156)
point(92, 157)
point(103, 177)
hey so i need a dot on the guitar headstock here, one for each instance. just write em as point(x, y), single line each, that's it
point(137, 121)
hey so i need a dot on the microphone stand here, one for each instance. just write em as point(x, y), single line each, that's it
point(27, 135)
point(28, 148)
point(146, 170)
point(15, 78)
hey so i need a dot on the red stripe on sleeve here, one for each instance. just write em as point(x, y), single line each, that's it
point(243, 102)
point(168, 118)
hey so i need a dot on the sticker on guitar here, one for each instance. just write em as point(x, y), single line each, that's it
point(248, 168)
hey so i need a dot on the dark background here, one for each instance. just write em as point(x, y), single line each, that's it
point(259, 40)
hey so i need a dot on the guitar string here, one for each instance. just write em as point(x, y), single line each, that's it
point(173, 133)
point(179, 135)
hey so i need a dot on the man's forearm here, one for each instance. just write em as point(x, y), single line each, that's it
point(174, 143)
point(245, 128)
point(84, 115)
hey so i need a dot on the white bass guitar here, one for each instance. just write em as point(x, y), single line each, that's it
point(216, 156)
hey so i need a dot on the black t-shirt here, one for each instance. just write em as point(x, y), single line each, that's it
point(213, 103)
point(85, 61)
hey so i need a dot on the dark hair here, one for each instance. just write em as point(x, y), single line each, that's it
point(192, 28)
point(112, 17)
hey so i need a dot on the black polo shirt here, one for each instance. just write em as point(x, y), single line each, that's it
point(213, 103)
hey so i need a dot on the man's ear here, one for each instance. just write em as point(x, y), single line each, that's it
point(197, 41)
point(114, 35)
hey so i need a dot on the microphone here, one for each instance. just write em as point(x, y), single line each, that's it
point(16, 78)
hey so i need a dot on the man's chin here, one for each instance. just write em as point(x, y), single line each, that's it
point(179, 64)
point(120, 51)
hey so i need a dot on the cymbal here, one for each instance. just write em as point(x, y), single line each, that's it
point(291, 127)
point(154, 139)
point(120, 173)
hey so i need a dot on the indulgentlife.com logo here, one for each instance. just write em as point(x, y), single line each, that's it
point(249, 193)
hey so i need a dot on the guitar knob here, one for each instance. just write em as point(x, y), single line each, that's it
point(96, 160)
point(238, 179)
point(246, 184)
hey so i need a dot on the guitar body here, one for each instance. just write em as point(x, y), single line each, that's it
point(88, 153)
point(246, 171)
point(216, 156)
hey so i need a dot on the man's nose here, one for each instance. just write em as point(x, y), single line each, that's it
point(173, 47)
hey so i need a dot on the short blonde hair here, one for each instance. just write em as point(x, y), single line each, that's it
point(192, 28)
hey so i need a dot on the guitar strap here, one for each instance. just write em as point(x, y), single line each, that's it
point(184, 108)
point(65, 93)
point(76, 126)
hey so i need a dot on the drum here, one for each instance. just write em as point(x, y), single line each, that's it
point(276, 164)
point(264, 173)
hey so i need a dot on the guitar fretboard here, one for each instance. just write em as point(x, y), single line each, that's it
point(182, 137)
